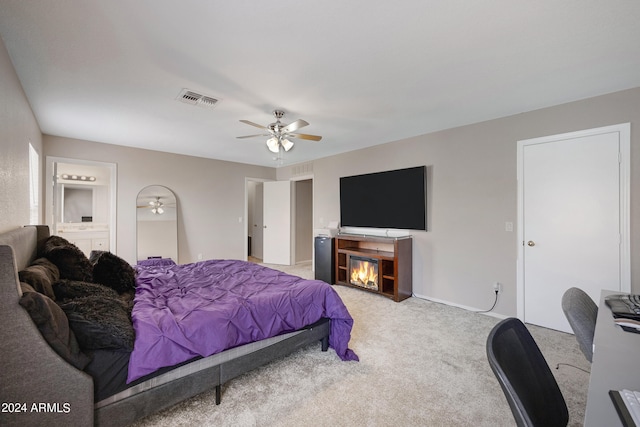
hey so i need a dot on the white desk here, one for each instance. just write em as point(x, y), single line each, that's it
point(615, 366)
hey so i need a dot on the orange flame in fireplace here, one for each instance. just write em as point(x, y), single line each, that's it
point(365, 274)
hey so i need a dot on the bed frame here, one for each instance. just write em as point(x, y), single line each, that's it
point(38, 387)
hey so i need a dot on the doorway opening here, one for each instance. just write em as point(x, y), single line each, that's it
point(300, 221)
point(81, 202)
point(253, 213)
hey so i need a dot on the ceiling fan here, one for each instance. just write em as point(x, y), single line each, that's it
point(280, 133)
point(156, 205)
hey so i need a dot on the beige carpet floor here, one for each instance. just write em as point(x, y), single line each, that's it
point(421, 364)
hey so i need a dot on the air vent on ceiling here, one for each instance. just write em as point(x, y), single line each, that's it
point(190, 97)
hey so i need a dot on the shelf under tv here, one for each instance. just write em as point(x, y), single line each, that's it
point(391, 255)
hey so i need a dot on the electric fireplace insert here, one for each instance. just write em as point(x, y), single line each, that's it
point(363, 272)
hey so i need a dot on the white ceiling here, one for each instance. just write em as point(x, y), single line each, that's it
point(360, 72)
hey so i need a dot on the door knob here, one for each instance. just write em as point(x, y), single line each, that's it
point(531, 243)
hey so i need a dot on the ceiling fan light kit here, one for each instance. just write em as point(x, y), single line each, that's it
point(280, 133)
point(156, 206)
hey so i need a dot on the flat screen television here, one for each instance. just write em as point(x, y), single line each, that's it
point(391, 199)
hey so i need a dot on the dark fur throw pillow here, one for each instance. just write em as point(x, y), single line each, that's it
point(72, 263)
point(41, 274)
point(53, 325)
point(71, 289)
point(100, 323)
point(114, 272)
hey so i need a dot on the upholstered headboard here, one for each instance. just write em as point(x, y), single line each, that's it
point(24, 242)
point(42, 387)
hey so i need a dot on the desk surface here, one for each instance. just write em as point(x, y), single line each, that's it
point(615, 366)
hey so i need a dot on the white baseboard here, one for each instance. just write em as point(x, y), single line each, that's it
point(464, 307)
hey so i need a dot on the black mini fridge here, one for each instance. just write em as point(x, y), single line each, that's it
point(324, 259)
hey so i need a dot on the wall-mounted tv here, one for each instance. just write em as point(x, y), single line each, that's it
point(390, 199)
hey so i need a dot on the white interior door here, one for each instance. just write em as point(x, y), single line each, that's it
point(571, 221)
point(277, 222)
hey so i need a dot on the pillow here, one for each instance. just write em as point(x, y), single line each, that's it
point(114, 272)
point(156, 262)
point(53, 325)
point(71, 289)
point(100, 323)
point(41, 274)
point(71, 261)
point(25, 287)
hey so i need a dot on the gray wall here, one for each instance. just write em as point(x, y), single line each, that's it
point(473, 192)
point(210, 193)
point(18, 127)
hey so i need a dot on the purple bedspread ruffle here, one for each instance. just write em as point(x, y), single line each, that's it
point(188, 310)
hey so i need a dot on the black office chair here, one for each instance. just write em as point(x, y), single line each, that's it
point(581, 312)
point(524, 375)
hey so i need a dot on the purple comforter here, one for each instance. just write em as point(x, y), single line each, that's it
point(189, 310)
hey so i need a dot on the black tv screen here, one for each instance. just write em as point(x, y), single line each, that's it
point(391, 199)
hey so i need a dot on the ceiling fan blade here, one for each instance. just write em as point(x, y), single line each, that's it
point(253, 124)
point(253, 136)
point(292, 127)
point(305, 136)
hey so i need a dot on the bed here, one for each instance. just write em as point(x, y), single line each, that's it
point(130, 375)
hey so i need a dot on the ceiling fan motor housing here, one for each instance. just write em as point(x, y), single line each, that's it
point(276, 127)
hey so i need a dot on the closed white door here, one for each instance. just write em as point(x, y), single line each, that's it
point(571, 221)
point(277, 222)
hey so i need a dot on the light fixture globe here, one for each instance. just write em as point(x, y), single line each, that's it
point(286, 144)
point(272, 144)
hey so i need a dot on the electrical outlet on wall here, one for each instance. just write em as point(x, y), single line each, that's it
point(497, 287)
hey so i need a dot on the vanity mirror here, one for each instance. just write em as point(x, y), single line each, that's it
point(157, 223)
point(77, 204)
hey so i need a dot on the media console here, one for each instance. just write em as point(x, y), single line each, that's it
point(376, 264)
